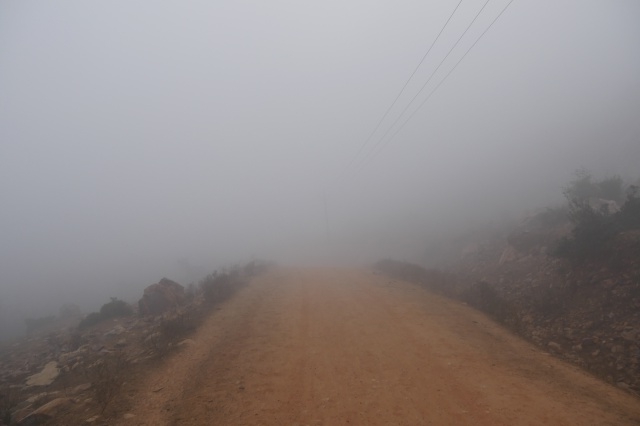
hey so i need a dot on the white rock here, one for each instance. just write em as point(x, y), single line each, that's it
point(44, 378)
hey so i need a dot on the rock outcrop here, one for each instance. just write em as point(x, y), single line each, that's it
point(44, 378)
point(160, 297)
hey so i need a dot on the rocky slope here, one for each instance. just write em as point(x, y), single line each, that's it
point(586, 311)
point(76, 370)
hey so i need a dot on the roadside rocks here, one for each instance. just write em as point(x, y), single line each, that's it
point(54, 374)
point(588, 315)
point(160, 297)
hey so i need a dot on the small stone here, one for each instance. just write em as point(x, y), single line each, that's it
point(186, 342)
point(81, 388)
point(128, 416)
point(554, 346)
point(115, 331)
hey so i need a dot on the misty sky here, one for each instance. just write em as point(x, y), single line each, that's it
point(143, 139)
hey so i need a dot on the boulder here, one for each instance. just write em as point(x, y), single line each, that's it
point(46, 376)
point(160, 297)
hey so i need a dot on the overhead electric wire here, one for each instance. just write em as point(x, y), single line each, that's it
point(442, 81)
point(403, 87)
point(373, 150)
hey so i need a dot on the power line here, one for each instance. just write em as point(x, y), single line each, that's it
point(373, 150)
point(443, 80)
point(403, 87)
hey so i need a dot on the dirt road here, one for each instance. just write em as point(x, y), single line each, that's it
point(347, 347)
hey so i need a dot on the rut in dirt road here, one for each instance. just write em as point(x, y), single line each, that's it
point(345, 347)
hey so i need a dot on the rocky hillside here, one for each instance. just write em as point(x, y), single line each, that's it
point(587, 313)
point(76, 370)
point(581, 304)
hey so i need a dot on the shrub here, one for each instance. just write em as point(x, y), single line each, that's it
point(584, 187)
point(629, 214)
point(256, 267)
point(552, 217)
point(550, 300)
point(190, 292)
point(611, 188)
point(34, 324)
point(107, 375)
point(594, 228)
point(218, 287)
point(480, 295)
point(90, 320)
point(170, 330)
point(485, 298)
point(115, 308)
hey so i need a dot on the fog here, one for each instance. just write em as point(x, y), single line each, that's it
point(140, 140)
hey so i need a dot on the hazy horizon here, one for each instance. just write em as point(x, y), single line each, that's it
point(145, 140)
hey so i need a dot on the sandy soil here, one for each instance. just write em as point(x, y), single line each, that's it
point(347, 347)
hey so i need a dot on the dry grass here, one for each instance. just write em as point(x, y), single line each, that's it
point(107, 375)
